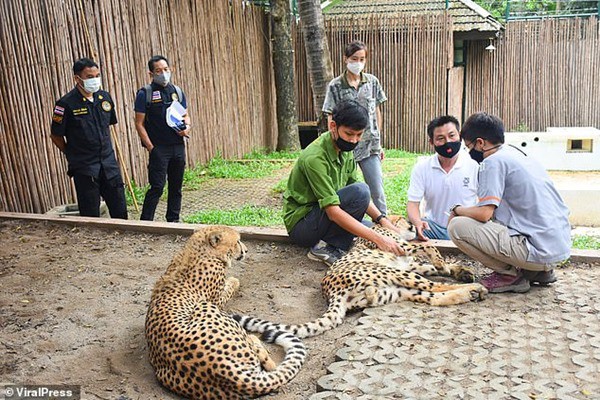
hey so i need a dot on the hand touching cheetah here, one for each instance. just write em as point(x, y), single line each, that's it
point(198, 351)
point(369, 277)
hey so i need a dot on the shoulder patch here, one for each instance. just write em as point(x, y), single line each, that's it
point(106, 106)
point(174, 97)
point(58, 110)
point(57, 118)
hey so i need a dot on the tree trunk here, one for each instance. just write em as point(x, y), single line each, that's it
point(317, 51)
point(283, 65)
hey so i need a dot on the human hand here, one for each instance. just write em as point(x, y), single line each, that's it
point(420, 228)
point(388, 244)
point(382, 155)
point(185, 132)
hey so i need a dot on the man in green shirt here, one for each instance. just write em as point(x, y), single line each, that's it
point(324, 201)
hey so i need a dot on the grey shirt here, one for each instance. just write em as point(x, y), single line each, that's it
point(527, 203)
point(369, 94)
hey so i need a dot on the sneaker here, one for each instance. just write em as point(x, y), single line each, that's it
point(500, 283)
point(327, 254)
point(542, 278)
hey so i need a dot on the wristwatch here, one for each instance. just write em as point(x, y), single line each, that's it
point(453, 209)
point(378, 219)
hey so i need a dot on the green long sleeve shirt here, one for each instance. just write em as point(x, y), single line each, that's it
point(317, 175)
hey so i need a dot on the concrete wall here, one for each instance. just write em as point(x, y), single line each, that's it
point(554, 148)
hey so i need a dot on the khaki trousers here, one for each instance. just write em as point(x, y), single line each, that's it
point(490, 244)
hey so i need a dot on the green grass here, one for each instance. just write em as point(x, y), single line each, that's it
point(396, 169)
point(396, 186)
point(138, 191)
point(585, 242)
point(243, 216)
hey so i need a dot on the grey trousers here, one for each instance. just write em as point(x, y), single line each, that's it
point(371, 169)
point(491, 244)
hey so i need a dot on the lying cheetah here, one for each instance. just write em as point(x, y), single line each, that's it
point(369, 277)
point(198, 351)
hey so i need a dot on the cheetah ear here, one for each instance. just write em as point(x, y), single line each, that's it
point(215, 239)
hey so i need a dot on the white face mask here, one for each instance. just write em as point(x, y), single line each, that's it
point(355, 67)
point(162, 79)
point(92, 85)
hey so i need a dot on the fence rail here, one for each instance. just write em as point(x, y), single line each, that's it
point(220, 52)
point(542, 74)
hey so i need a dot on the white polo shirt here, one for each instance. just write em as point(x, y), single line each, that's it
point(440, 189)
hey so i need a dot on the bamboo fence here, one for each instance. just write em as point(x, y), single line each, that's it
point(542, 74)
point(409, 55)
point(220, 52)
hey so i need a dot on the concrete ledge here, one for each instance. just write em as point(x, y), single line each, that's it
point(249, 233)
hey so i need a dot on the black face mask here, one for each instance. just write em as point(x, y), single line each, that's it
point(344, 145)
point(476, 155)
point(448, 150)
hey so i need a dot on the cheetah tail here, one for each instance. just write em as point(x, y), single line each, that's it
point(332, 318)
point(260, 382)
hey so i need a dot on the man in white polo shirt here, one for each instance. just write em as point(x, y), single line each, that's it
point(519, 228)
point(446, 178)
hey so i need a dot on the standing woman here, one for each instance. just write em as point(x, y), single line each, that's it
point(366, 89)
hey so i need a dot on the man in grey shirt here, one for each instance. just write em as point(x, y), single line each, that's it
point(520, 226)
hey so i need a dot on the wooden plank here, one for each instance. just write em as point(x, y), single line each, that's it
point(247, 233)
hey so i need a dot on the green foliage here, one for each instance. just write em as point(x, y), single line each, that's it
point(396, 187)
point(138, 191)
point(244, 216)
point(538, 8)
point(586, 242)
point(522, 127)
point(280, 186)
point(265, 154)
point(258, 166)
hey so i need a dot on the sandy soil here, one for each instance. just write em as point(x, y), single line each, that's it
point(73, 304)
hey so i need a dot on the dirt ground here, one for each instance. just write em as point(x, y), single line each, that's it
point(73, 304)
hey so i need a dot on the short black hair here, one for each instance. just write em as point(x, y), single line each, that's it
point(485, 126)
point(353, 47)
point(441, 121)
point(155, 59)
point(82, 64)
point(350, 113)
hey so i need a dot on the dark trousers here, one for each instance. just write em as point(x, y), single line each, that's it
point(166, 162)
point(89, 190)
point(315, 226)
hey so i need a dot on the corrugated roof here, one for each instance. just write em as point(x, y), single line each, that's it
point(466, 14)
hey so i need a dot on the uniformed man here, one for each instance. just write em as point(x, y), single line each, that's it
point(81, 129)
point(164, 143)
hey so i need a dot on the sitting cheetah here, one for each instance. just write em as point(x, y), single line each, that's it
point(369, 277)
point(198, 351)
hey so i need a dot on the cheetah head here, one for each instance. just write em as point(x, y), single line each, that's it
point(221, 241)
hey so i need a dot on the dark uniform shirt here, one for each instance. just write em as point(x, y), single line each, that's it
point(156, 123)
point(86, 126)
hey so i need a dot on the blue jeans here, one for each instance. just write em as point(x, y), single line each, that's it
point(435, 231)
point(315, 226)
point(371, 169)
